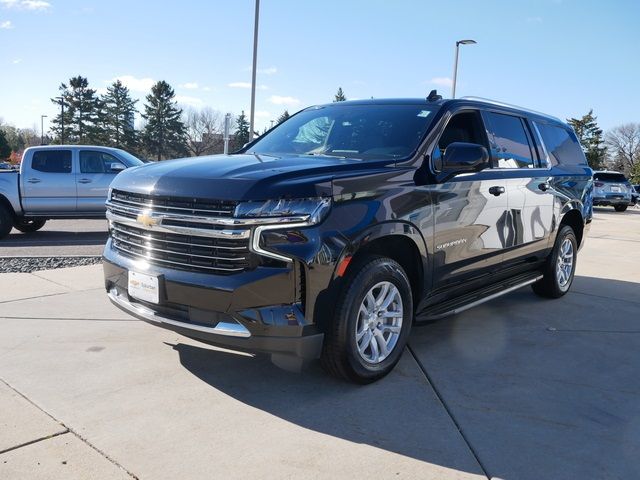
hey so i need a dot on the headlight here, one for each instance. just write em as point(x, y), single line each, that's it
point(313, 210)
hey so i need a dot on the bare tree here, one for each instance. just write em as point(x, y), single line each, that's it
point(204, 131)
point(623, 143)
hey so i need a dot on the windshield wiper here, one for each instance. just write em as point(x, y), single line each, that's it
point(316, 154)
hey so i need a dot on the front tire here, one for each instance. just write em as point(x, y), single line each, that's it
point(28, 225)
point(620, 208)
point(560, 267)
point(371, 323)
point(6, 221)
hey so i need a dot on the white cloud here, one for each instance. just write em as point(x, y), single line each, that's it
point(190, 101)
point(534, 20)
point(246, 85)
point(206, 89)
point(135, 84)
point(442, 81)
point(268, 71)
point(263, 114)
point(278, 100)
point(6, 25)
point(190, 86)
point(26, 4)
point(16, 61)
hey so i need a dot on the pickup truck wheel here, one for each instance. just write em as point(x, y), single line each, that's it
point(620, 208)
point(6, 221)
point(27, 225)
point(371, 323)
point(560, 267)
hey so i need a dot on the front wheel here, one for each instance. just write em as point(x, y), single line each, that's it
point(560, 267)
point(371, 322)
point(620, 208)
point(27, 225)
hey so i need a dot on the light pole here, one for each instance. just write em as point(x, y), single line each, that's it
point(253, 73)
point(42, 117)
point(455, 64)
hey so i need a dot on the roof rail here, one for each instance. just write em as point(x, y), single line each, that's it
point(509, 105)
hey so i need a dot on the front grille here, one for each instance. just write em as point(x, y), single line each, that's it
point(182, 233)
point(184, 252)
point(175, 205)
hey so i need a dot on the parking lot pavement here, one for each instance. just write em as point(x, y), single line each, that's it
point(517, 388)
point(58, 238)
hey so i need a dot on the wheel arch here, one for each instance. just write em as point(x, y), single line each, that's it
point(573, 218)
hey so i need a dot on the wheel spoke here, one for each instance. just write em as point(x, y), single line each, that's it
point(382, 294)
point(375, 353)
point(390, 328)
point(378, 338)
point(392, 314)
point(366, 340)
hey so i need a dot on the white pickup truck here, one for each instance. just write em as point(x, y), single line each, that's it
point(59, 181)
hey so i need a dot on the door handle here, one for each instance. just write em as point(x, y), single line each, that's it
point(496, 191)
point(84, 180)
point(34, 180)
point(544, 186)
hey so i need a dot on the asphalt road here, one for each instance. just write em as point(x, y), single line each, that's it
point(57, 238)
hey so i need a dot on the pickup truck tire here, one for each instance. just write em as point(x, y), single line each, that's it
point(27, 225)
point(371, 323)
point(560, 267)
point(6, 221)
point(620, 208)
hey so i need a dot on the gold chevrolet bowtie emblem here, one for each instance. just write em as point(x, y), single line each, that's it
point(147, 220)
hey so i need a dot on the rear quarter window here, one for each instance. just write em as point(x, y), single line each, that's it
point(561, 144)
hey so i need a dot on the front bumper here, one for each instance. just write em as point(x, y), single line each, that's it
point(255, 311)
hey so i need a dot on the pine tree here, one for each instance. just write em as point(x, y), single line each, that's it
point(591, 139)
point(5, 149)
point(340, 96)
point(283, 117)
point(164, 134)
point(242, 131)
point(119, 111)
point(82, 113)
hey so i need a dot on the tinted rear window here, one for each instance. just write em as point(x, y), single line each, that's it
point(610, 177)
point(562, 145)
point(52, 161)
point(512, 149)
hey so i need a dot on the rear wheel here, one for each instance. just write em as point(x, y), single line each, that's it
point(620, 208)
point(27, 225)
point(6, 221)
point(371, 323)
point(560, 267)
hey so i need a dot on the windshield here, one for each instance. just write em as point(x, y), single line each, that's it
point(354, 131)
point(129, 159)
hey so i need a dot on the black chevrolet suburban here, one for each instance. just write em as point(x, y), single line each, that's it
point(332, 234)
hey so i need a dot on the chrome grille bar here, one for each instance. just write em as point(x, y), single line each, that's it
point(117, 227)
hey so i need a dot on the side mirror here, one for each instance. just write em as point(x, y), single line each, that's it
point(116, 167)
point(464, 157)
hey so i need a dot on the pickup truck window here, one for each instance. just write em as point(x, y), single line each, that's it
point(511, 146)
point(97, 162)
point(52, 161)
point(563, 147)
point(354, 131)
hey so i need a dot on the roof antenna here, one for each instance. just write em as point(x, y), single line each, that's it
point(433, 96)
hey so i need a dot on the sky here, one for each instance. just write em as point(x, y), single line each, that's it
point(561, 57)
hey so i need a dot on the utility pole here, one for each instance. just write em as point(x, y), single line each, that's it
point(42, 117)
point(225, 137)
point(253, 73)
point(455, 64)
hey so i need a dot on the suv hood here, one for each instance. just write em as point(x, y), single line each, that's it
point(243, 177)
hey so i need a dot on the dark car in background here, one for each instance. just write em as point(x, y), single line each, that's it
point(332, 234)
point(612, 189)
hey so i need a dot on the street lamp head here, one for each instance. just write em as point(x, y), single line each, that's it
point(466, 42)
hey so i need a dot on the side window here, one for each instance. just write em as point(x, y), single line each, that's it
point(511, 147)
point(463, 127)
point(52, 161)
point(97, 162)
point(561, 144)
